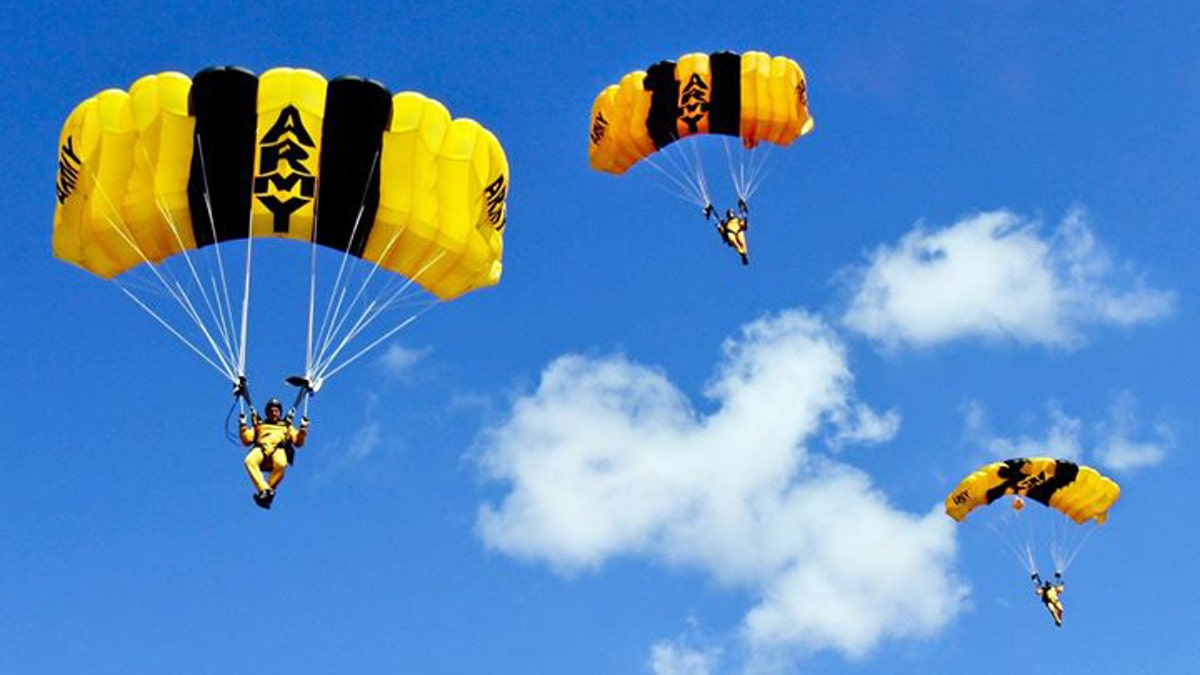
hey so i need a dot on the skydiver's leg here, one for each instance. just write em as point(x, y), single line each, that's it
point(1055, 610)
point(723, 230)
point(253, 462)
point(280, 465)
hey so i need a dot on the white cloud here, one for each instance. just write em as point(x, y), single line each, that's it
point(398, 362)
point(1114, 446)
point(1123, 454)
point(668, 658)
point(1061, 439)
point(1118, 451)
point(862, 425)
point(992, 275)
point(607, 458)
point(366, 441)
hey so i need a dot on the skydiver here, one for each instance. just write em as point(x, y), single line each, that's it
point(1051, 595)
point(732, 228)
point(274, 442)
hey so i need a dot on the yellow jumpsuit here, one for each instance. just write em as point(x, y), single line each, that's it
point(271, 442)
point(1051, 598)
point(733, 231)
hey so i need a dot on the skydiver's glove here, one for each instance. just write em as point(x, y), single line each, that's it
point(242, 419)
point(303, 422)
point(708, 211)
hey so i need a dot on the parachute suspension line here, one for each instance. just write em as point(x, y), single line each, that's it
point(312, 298)
point(400, 299)
point(370, 313)
point(758, 172)
point(246, 290)
point(683, 173)
point(1030, 560)
point(1031, 541)
point(1075, 550)
point(376, 343)
point(749, 172)
point(219, 314)
point(734, 174)
point(680, 190)
point(246, 302)
point(222, 370)
point(1005, 530)
point(328, 320)
point(176, 292)
point(1068, 542)
point(691, 170)
point(698, 169)
point(212, 224)
point(218, 321)
point(335, 330)
point(1057, 542)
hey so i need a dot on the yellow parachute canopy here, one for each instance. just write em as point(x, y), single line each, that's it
point(753, 96)
point(176, 164)
point(1080, 492)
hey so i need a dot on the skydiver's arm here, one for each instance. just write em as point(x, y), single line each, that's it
point(246, 433)
point(300, 435)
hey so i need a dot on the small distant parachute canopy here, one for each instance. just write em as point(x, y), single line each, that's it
point(1079, 492)
point(753, 96)
point(177, 164)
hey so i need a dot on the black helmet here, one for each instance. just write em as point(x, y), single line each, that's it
point(273, 403)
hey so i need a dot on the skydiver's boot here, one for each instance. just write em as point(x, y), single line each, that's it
point(263, 498)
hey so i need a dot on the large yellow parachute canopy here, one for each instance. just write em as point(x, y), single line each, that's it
point(1080, 492)
point(753, 96)
point(176, 164)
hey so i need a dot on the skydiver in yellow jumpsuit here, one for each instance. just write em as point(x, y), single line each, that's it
point(273, 442)
point(1051, 595)
point(732, 229)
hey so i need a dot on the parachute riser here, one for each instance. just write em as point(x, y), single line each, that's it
point(307, 389)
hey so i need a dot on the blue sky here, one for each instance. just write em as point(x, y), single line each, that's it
point(634, 455)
